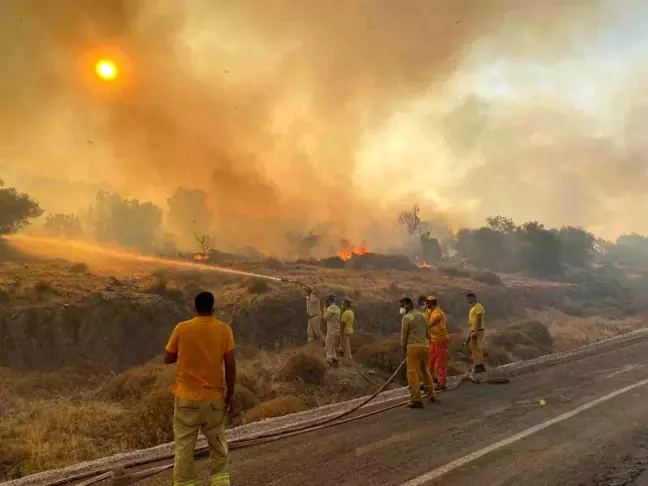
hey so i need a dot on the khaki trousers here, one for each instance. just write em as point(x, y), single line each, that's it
point(208, 417)
point(314, 329)
point(476, 347)
point(417, 368)
point(332, 341)
point(346, 346)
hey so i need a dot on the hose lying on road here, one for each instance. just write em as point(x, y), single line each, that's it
point(122, 477)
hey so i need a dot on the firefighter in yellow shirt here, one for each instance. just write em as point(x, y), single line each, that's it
point(476, 335)
point(439, 339)
point(347, 319)
point(203, 349)
point(416, 345)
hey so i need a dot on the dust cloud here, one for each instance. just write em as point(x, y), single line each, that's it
point(266, 105)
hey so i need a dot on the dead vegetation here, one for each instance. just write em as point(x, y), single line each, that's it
point(111, 321)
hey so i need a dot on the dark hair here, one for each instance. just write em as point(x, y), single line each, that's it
point(347, 302)
point(204, 302)
point(471, 294)
point(422, 298)
point(406, 301)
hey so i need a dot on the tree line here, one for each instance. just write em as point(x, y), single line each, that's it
point(500, 245)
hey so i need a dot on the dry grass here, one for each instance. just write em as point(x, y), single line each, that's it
point(54, 419)
point(276, 407)
point(305, 366)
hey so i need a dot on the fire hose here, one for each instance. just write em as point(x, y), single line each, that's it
point(123, 477)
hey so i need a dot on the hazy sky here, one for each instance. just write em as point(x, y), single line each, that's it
point(305, 115)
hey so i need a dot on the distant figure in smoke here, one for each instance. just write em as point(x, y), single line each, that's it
point(314, 314)
point(347, 319)
point(333, 324)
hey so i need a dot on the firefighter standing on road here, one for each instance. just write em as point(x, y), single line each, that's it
point(415, 342)
point(201, 347)
point(439, 339)
point(347, 319)
point(314, 314)
point(332, 319)
point(476, 335)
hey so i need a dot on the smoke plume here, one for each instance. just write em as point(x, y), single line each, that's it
point(265, 105)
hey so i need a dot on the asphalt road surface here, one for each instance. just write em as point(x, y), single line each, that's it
point(592, 430)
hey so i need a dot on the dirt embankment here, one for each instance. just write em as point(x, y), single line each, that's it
point(58, 315)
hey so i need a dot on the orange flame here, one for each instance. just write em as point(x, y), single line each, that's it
point(346, 255)
point(200, 257)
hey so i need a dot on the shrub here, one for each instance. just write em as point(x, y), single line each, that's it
point(385, 354)
point(79, 268)
point(454, 271)
point(137, 382)
point(276, 407)
point(274, 264)
point(333, 262)
point(520, 338)
point(43, 287)
point(305, 367)
point(258, 286)
point(150, 421)
point(489, 278)
point(244, 399)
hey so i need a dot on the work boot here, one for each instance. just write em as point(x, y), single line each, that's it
point(433, 399)
point(440, 387)
point(415, 405)
point(481, 369)
point(436, 382)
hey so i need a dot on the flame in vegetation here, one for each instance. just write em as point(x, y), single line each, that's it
point(424, 265)
point(346, 255)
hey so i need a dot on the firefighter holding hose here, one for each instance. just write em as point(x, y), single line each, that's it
point(416, 343)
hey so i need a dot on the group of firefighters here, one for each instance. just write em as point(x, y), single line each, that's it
point(203, 347)
point(424, 338)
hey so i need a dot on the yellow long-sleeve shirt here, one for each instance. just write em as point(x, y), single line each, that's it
point(414, 330)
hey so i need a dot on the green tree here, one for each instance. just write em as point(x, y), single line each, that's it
point(501, 224)
point(63, 225)
point(126, 222)
point(16, 209)
point(577, 246)
point(541, 250)
point(484, 248)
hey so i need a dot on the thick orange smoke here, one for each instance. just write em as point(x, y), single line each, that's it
point(263, 105)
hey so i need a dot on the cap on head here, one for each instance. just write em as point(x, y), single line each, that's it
point(471, 295)
point(431, 299)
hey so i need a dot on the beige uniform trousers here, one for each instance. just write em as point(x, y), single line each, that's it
point(346, 345)
point(476, 346)
point(314, 329)
point(332, 343)
point(209, 418)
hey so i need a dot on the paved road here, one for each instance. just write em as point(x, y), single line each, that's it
point(593, 430)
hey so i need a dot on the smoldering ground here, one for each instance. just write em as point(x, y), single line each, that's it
point(262, 105)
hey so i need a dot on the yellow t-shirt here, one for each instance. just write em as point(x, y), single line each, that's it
point(475, 311)
point(201, 344)
point(347, 321)
point(439, 331)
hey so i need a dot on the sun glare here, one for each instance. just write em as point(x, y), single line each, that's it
point(106, 70)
